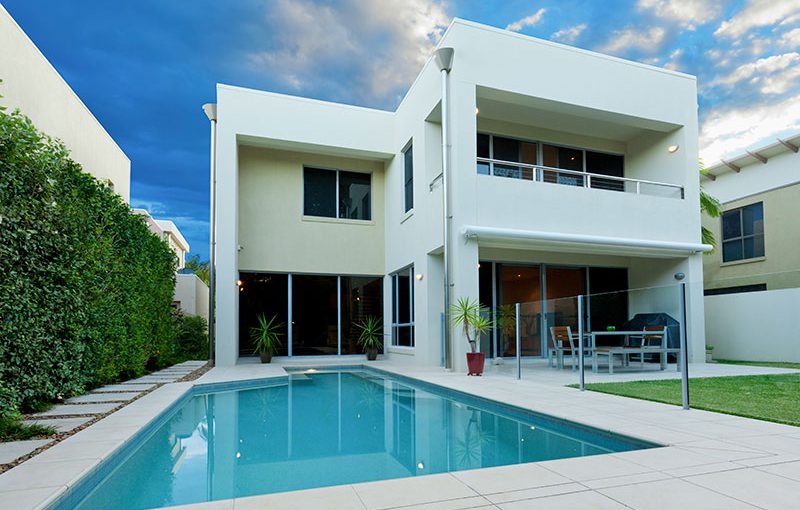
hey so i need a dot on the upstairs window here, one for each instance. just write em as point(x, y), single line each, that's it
point(337, 194)
point(408, 178)
point(743, 233)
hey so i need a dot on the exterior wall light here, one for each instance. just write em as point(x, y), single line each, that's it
point(238, 283)
point(679, 276)
point(419, 277)
point(672, 149)
point(477, 110)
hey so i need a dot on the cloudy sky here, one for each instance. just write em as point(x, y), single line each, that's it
point(144, 67)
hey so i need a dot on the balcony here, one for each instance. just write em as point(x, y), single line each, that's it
point(577, 178)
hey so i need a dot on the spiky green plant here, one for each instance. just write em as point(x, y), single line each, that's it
point(712, 207)
point(466, 314)
point(266, 335)
point(371, 334)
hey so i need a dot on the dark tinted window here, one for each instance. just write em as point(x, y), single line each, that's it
point(743, 233)
point(408, 182)
point(319, 192)
point(505, 149)
point(483, 146)
point(354, 196)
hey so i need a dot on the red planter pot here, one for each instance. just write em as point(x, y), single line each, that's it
point(475, 363)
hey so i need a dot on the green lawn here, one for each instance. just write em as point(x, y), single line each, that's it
point(764, 397)
point(773, 364)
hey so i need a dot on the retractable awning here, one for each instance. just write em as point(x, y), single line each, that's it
point(583, 242)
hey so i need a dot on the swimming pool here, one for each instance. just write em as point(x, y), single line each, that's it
point(322, 428)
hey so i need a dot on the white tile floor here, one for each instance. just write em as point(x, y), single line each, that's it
point(712, 461)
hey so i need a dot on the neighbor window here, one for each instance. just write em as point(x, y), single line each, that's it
point(336, 194)
point(403, 307)
point(408, 178)
point(743, 233)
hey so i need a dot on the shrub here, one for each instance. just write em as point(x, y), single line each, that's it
point(85, 288)
point(191, 337)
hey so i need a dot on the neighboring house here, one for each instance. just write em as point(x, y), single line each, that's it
point(566, 172)
point(752, 280)
point(191, 293)
point(757, 234)
point(32, 85)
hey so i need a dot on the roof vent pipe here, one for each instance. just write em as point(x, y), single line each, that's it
point(444, 59)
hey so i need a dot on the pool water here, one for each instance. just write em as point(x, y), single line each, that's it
point(329, 428)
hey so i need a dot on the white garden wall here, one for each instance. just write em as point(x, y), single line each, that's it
point(755, 326)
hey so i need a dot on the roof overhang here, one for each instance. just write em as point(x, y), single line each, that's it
point(582, 243)
point(759, 156)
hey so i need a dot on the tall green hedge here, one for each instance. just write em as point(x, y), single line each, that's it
point(85, 288)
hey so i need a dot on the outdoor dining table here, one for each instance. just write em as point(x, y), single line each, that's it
point(622, 350)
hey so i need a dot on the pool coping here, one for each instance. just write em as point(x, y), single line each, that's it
point(49, 480)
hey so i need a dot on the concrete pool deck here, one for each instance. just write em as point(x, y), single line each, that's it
point(712, 460)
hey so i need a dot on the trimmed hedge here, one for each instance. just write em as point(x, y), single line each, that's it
point(85, 288)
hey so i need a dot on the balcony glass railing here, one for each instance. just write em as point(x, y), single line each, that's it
point(539, 173)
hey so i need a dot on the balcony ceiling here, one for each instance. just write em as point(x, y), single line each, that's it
point(532, 111)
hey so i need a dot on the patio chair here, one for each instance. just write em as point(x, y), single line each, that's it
point(656, 338)
point(563, 343)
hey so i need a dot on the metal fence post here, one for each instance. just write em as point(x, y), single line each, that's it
point(519, 362)
point(581, 375)
point(684, 354)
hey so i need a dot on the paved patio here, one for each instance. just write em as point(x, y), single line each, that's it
point(712, 460)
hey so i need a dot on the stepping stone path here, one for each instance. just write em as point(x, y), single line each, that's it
point(9, 452)
point(79, 410)
point(61, 424)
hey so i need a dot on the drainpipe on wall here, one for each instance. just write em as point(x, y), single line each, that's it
point(444, 59)
point(211, 112)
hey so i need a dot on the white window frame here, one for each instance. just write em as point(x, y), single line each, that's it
point(336, 217)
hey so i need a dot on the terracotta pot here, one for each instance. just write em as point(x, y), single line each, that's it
point(475, 362)
point(372, 354)
point(266, 357)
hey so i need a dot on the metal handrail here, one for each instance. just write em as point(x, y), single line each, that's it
point(588, 175)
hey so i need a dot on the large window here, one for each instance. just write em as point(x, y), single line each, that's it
point(743, 233)
point(496, 155)
point(336, 194)
point(403, 307)
point(317, 313)
point(408, 178)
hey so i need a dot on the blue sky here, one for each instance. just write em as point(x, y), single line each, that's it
point(145, 67)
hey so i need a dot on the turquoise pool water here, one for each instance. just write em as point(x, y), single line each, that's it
point(327, 428)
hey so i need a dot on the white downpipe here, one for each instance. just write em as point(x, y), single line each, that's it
point(444, 59)
point(534, 235)
point(211, 112)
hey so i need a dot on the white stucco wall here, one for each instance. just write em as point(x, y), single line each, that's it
point(31, 84)
point(754, 326)
point(646, 109)
point(192, 294)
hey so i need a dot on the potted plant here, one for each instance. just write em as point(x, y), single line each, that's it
point(370, 337)
point(266, 336)
point(466, 314)
point(709, 352)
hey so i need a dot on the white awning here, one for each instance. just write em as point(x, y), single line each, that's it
point(600, 242)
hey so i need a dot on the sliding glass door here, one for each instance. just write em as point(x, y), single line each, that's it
point(317, 313)
point(519, 284)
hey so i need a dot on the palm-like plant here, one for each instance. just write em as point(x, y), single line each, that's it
point(370, 336)
point(711, 206)
point(266, 336)
point(466, 314)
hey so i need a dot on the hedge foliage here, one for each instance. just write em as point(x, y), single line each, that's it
point(85, 288)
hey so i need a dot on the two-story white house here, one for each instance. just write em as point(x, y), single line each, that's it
point(514, 170)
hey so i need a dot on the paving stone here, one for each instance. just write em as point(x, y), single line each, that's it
point(82, 409)
point(97, 398)
point(127, 387)
point(13, 450)
point(61, 424)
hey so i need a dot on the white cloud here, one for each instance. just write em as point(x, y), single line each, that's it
point(729, 132)
point(630, 38)
point(674, 57)
point(688, 13)
point(771, 75)
point(381, 45)
point(569, 35)
point(791, 39)
point(758, 13)
point(527, 21)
